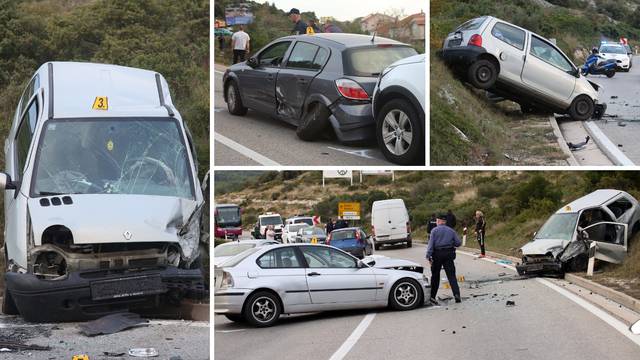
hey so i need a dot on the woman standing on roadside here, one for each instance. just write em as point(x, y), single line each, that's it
point(480, 228)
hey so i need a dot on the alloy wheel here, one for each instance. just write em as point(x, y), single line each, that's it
point(397, 132)
point(263, 309)
point(231, 96)
point(406, 294)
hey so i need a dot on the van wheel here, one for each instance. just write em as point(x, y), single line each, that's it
point(405, 294)
point(399, 133)
point(610, 73)
point(409, 244)
point(581, 108)
point(8, 306)
point(482, 74)
point(262, 309)
point(234, 101)
point(313, 122)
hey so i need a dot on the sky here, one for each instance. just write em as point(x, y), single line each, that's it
point(350, 9)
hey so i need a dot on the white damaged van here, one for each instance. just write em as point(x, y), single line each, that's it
point(102, 198)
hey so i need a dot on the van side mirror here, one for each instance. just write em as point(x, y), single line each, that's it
point(252, 62)
point(6, 183)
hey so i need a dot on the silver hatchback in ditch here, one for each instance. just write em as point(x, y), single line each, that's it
point(519, 65)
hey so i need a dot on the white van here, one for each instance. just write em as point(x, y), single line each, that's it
point(390, 223)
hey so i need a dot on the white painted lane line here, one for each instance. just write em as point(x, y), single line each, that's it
point(353, 338)
point(604, 316)
point(245, 151)
point(230, 331)
point(366, 153)
point(612, 321)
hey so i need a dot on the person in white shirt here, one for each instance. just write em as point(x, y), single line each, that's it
point(240, 44)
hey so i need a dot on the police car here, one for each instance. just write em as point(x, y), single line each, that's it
point(617, 52)
point(102, 198)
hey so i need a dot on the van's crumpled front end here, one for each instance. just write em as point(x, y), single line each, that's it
point(552, 257)
point(102, 254)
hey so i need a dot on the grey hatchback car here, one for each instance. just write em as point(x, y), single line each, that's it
point(315, 82)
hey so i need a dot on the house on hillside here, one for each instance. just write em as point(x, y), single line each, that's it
point(410, 29)
point(371, 22)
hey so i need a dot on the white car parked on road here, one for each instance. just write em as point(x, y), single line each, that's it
point(260, 284)
point(618, 53)
point(398, 107)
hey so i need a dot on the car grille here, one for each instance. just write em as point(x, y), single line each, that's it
point(533, 259)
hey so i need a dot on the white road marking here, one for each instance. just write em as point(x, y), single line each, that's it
point(609, 319)
point(230, 331)
point(353, 338)
point(360, 153)
point(245, 151)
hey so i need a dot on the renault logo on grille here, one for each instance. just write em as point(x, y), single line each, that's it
point(127, 235)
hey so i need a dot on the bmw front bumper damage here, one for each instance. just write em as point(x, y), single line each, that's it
point(88, 295)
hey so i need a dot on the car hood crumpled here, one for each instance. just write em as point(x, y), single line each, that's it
point(544, 246)
point(385, 262)
point(116, 218)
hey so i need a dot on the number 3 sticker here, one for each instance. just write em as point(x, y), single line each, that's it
point(101, 103)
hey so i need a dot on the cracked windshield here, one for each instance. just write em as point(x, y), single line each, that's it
point(145, 157)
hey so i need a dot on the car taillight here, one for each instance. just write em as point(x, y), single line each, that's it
point(328, 240)
point(227, 280)
point(476, 40)
point(351, 90)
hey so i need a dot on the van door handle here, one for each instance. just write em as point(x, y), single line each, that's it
point(313, 274)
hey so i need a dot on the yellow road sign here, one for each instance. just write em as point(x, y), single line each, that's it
point(101, 103)
point(349, 210)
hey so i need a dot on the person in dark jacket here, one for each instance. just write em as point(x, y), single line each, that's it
point(330, 226)
point(341, 224)
point(441, 252)
point(451, 219)
point(480, 228)
point(432, 223)
point(300, 27)
point(331, 28)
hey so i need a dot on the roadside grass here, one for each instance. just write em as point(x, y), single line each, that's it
point(494, 134)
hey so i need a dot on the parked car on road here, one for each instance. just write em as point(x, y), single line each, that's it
point(398, 107)
point(352, 240)
point(102, 198)
point(311, 234)
point(390, 223)
point(607, 217)
point(300, 219)
point(230, 249)
point(300, 278)
point(315, 82)
point(515, 64)
point(265, 220)
point(617, 52)
point(290, 231)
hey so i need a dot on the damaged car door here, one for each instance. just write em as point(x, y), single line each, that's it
point(302, 66)
point(259, 81)
point(611, 240)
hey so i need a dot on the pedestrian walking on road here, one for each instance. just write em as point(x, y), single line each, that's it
point(441, 252)
point(300, 27)
point(451, 219)
point(270, 233)
point(432, 223)
point(480, 227)
point(240, 41)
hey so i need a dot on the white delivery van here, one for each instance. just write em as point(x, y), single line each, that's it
point(390, 223)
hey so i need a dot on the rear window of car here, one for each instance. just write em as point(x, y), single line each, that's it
point(342, 235)
point(238, 258)
point(472, 24)
point(370, 61)
point(231, 249)
point(509, 34)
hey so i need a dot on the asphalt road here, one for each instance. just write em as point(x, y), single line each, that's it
point(256, 139)
point(172, 338)
point(621, 123)
point(544, 324)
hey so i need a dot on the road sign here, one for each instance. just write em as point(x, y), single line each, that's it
point(316, 220)
point(349, 210)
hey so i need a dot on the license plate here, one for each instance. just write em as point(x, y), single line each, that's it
point(127, 287)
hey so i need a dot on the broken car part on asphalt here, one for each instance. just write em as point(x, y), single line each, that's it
point(143, 352)
point(106, 214)
point(112, 323)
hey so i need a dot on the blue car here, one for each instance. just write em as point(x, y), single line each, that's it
point(352, 240)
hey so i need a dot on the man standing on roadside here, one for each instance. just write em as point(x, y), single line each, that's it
point(441, 252)
point(480, 227)
point(240, 44)
point(300, 26)
point(451, 219)
point(330, 226)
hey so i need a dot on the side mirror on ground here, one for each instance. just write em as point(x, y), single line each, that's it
point(252, 62)
point(6, 183)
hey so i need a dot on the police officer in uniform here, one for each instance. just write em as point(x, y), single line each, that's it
point(300, 26)
point(441, 252)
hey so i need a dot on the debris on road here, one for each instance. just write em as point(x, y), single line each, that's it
point(143, 352)
point(622, 124)
point(614, 96)
point(511, 303)
point(502, 274)
point(580, 145)
point(113, 354)
point(503, 262)
point(112, 323)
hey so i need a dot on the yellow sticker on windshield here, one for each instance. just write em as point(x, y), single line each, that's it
point(314, 240)
point(101, 103)
point(110, 145)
